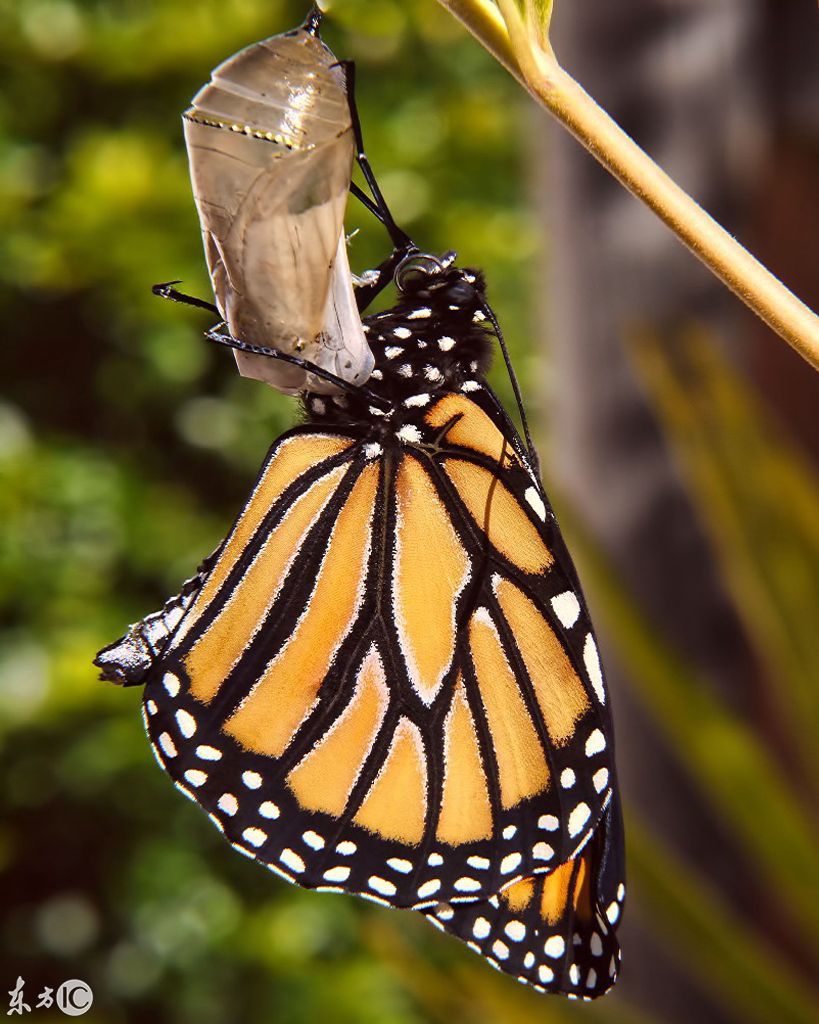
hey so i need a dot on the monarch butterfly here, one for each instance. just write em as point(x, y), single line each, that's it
point(385, 680)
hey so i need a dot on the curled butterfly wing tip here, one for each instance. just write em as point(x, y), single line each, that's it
point(126, 662)
point(129, 660)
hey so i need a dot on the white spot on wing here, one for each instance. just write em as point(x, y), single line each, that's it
point(291, 860)
point(186, 723)
point(578, 818)
point(548, 822)
point(416, 401)
point(567, 608)
point(554, 946)
point(252, 779)
point(228, 804)
point(381, 885)
point(536, 502)
point(196, 777)
point(481, 928)
point(595, 743)
point(509, 863)
point(429, 888)
point(255, 836)
point(313, 840)
point(340, 873)
point(600, 779)
point(591, 659)
point(410, 434)
point(171, 683)
point(168, 745)
point(268, 809)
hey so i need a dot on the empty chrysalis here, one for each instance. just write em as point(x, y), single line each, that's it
point(271, 148)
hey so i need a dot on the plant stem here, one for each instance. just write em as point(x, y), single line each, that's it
point(556, 90)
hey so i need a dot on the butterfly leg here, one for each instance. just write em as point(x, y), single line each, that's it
point(222, 337)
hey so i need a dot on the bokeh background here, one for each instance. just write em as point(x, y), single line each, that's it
point(680, 443)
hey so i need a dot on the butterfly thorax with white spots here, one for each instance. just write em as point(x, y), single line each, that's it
point(433, 341)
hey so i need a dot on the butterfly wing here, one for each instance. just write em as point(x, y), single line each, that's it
point(557, 932)
point(373, 689)
point(527, 652)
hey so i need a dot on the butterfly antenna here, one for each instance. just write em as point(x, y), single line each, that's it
point(533, 458)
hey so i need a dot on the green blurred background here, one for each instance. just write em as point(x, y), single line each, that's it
point(127, 445)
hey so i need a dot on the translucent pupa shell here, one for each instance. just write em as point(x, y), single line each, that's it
point(271, 148)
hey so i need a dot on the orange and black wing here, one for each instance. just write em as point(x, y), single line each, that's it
point(554, 931)
point(387, 683)
point(527, 731)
